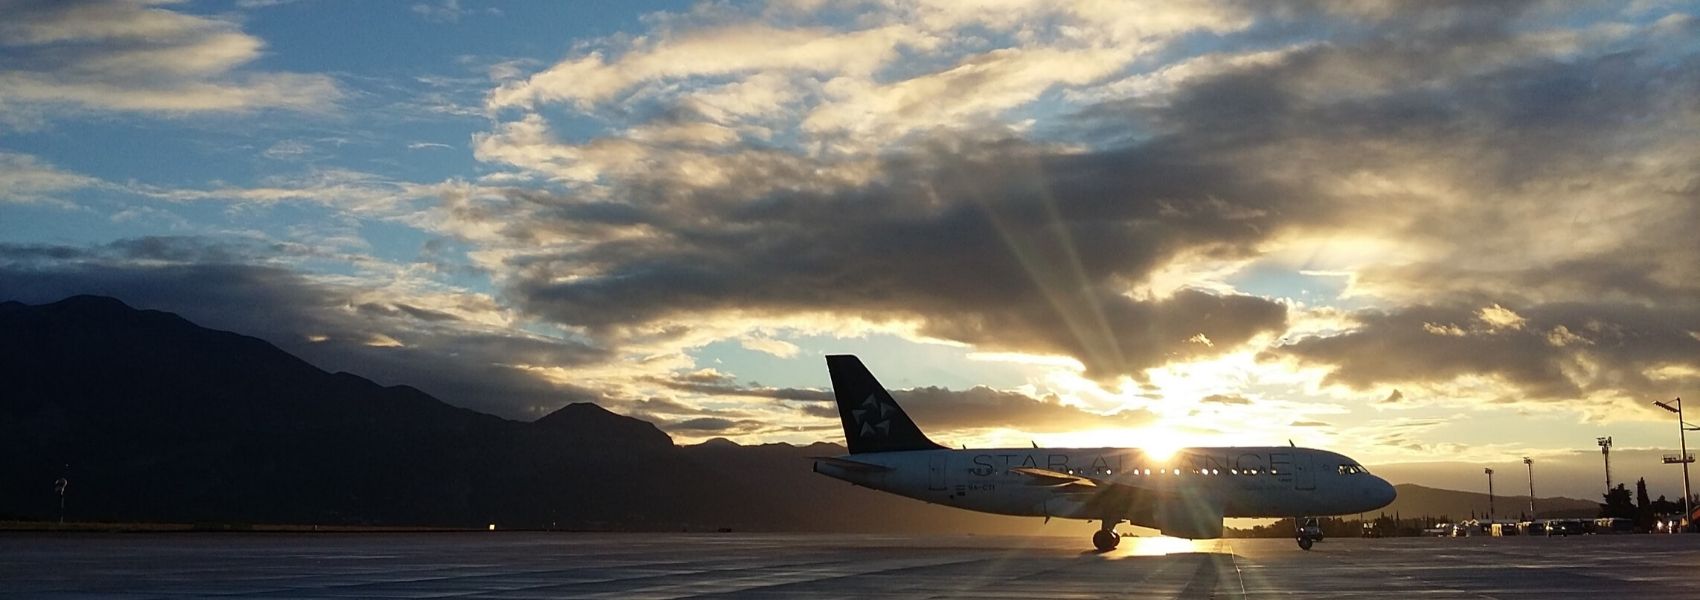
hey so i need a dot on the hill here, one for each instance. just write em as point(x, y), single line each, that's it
point(154, 418)
point(1417, 501)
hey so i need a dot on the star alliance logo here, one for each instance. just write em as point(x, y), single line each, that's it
point(874, 417)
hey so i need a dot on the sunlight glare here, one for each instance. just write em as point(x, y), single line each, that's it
point(1159, 444)
point(1161, 545)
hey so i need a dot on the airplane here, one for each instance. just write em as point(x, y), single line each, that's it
point(1186, 494)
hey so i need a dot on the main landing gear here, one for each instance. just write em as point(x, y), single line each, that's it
point(1106, 538)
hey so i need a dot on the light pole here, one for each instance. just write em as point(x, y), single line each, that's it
point(59, 486)
point(1490, 493)
point(1530, 463)
point(1605, 450)
point(1684, 458)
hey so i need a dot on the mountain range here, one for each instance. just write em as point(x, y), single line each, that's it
point(153, 418)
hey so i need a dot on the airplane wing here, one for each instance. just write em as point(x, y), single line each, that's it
point(850, 465)
point(1047, 477)
point(1180, 513)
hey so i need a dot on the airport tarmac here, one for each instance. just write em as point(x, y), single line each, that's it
point(578, 565)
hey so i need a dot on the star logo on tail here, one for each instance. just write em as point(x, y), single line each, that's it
point(874, 417)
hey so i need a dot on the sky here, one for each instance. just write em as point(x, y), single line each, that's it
point(1435, 236)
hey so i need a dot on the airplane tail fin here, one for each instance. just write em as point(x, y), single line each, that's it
point(873, 422)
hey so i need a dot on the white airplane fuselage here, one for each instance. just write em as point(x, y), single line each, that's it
point(1275, 481)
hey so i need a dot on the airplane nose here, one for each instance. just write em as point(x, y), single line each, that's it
point(1382, 493)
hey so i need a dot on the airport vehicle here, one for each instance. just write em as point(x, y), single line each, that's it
point(1613, 525)
point(1185, 494)
point(1564, 527)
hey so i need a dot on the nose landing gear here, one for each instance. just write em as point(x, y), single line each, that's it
point(1308, 533)
point(1106, 538)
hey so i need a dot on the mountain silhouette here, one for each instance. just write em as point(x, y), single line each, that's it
point(153, 418)
point(1417, 501)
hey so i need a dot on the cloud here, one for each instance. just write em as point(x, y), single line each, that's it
point(290, 150)
point(934, 408)
point(1017, 248)
point(1225, 399)
point(444, 344)
point(355, 192)
point(779, 348)
point(984, 231)
point(983, 407)
point(725, 50)
point(965, 231)
point(705, 424)
point(113, 55)
point(26, 179)
point(1533, 254)
point(1610, 352)
point(449, 11)
point(714, 383)
point(798, 81)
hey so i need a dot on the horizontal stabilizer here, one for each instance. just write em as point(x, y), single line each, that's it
point(1049, 477)
point(850, 465)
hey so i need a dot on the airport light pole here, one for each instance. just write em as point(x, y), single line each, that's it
point(1605, 450)
point(1682, 429)
point(1530, 463)
point(1490, 493)
point(59, 486)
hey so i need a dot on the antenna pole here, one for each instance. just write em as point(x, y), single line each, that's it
point(1682, 438)
point(1530, 463)
point(1490, 492)
point(1605, 451)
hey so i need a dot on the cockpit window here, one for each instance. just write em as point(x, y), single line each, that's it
point(1352, 469)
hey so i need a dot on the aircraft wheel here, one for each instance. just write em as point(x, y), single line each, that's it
point(1305, 543)
point(1105, 539)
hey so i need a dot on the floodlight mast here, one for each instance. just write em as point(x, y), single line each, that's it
point(1682, 438)
point(1605, 450)
point(1489, 473)
point(59, 486)
point(1530, 463)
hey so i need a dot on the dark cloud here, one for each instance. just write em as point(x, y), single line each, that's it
point(1558, 351)
point(1530, 170)
point(395, 309)
point(1456, 111)
point(1013, 247)
point(1226, 399)
point(934, 408)
point(718, 384)
point(983, 407)
point(703, 424)
point(464, 365)
point(683, 419)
